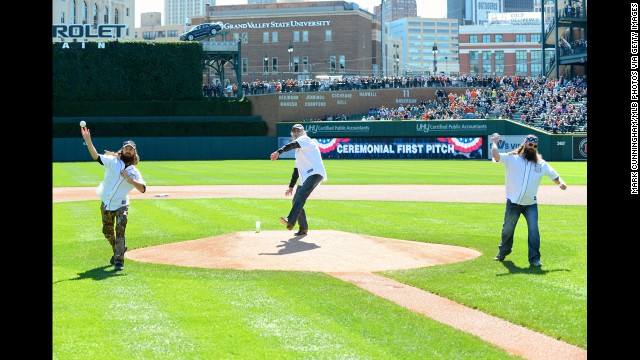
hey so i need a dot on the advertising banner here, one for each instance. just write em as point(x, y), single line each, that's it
point(507, 143)
point(396, 148)
point(579, 149)
point(410, 128)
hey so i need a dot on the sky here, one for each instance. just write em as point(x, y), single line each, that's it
point(426, 8)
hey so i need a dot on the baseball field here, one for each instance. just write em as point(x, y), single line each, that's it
point(219, 300)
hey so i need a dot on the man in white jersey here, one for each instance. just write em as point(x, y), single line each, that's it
point(524, 171)
point(310, 170)
point(120, 177)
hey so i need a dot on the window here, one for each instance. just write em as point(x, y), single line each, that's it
point(127, 12)
point(342, 63)
point(296, 36)
point(332, 63)
point(473, 38)
point(305, 36)
point(521, 62)
point(244, 65)
point(274, 64)
point(172, 33)
point(296, 63)
point(499, 62)
point(486, 38)
point(62, 17)
point(245, 38)
point(106, 15)
point(95, 16)
point(305, 63)
point(265, 64)
point(498, 37)
point(536, 62)
point(443, 24)
point(84, 12)
point(274, 37)
point(236, 37)
point(486, 62)
point(521, 37)
point(265, 37)
point(327, 35)
point(473, 62)
point(116, 19)
point(535, 38)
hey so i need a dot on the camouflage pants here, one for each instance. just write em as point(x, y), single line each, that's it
point(115, 234)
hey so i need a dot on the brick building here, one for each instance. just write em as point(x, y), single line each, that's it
point(325, 38)
point(499, 49)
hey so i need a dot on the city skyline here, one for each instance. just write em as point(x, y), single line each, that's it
point(426, 8)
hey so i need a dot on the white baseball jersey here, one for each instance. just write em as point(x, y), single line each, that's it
point(114, 189)
point(309, 159)
point(522, 178)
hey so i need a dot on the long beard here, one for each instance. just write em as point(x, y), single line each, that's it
point(128, 159)
point(530, 154)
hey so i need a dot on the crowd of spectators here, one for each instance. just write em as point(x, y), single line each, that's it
point(574, 47)
point(557, 105)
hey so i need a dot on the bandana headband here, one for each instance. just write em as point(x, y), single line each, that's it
point(531, 139)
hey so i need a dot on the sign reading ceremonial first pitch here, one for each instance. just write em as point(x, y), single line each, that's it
point(400, 148)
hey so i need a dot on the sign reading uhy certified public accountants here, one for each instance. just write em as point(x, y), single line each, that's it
point(398, 128)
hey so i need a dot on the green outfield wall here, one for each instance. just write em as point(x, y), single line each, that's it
point(554, 147)
point(402, 133)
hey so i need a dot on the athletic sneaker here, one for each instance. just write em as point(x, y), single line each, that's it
point(500, 257)
point(118, 267)
point(112, 260)
point(301, 232)
point(536, 263)
point(286, 223)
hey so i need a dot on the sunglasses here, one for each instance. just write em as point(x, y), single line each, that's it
point(535, 146)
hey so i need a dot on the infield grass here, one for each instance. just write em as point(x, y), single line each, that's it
point(152, 311)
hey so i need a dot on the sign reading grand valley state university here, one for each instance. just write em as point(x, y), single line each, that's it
point(81, 31)
point(277, 24)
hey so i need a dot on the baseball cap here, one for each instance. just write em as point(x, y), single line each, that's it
point(297, 126)
point(129, 143)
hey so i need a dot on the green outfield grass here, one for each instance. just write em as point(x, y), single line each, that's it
point(151, 311)
point(340, 172)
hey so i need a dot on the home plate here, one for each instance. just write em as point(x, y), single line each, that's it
point(161, 195)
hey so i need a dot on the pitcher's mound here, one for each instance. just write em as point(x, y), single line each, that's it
point(320, 250)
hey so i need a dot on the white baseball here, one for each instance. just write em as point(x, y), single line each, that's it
point(83, 123)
